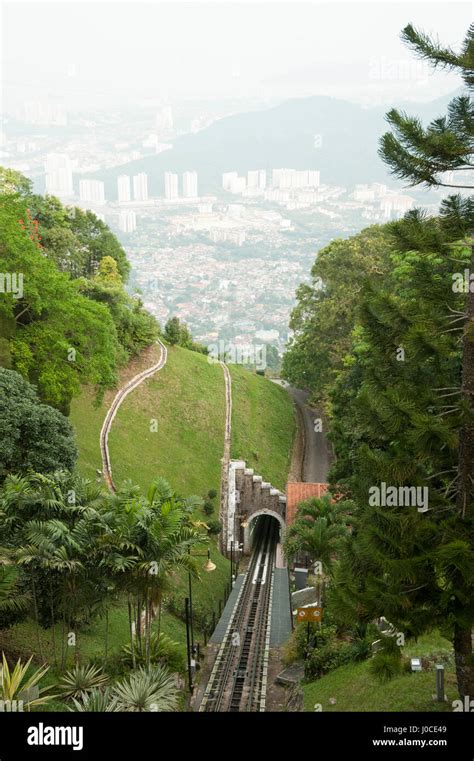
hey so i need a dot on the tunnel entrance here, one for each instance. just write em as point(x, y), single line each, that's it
point(260, 521)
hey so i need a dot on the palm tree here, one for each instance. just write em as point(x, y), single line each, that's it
point(13, 601)
point(53, 523)
point(159, 528)
point(318, 530)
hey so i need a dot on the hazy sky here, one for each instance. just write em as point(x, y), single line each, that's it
point(84, 51)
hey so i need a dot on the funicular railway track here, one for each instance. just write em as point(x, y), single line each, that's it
point(237, 681)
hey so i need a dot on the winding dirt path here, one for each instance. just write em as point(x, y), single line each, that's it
point(121, 394)
point(226, 458)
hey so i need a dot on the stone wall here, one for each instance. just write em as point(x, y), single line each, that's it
point(249, 495)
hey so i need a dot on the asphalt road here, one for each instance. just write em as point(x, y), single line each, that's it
point(317, 451)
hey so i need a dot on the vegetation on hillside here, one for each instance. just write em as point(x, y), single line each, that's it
point(263, 425)
point(65, 318)
point(400, 387)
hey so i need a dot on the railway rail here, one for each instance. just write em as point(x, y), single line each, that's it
point(238, 679)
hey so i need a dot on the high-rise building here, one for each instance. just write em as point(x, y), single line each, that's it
point(295, 178)
point(127, 221)
point(164, 118)
point(123, 188)
point(227, 179)
point(190, 184)
point(140, 187)
point(171, 185)
point(38, 112)
point(92, 191)
point(238, 184)
point(257, 179)
point(58, 169)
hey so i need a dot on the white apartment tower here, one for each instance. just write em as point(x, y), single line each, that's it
point(92, 191)
point(58, 169)
point(164, 118)
point(140, 187)
point(124, 192)
point(227, 179)
point(127, 221)
point(257, 179)
point(190, 184)
point(171, 185)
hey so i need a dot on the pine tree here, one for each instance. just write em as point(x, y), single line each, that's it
point(422, 156)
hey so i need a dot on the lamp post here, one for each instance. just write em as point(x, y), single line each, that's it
point(208, 566)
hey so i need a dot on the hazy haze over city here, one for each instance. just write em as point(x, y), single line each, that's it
point(219, 49)
point(223, 143)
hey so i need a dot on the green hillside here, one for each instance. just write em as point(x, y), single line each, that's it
point(263, 425)
point(186, 399)
point(354, 688)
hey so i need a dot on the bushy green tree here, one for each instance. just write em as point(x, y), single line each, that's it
point(57, 337)
point(325, 313)
point(33, 436)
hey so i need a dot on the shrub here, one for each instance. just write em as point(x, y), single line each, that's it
point(163, 650)
point(212, 494)
point(82, 679)
point(208, 508)
point(95, 701)
point(152, 690)
point(385, 666)
point(214, 527)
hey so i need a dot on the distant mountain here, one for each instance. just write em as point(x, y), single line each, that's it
point(282, 136)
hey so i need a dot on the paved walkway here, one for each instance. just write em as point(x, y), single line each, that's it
point(223, 623)
point(122, 393)
point(280, 628)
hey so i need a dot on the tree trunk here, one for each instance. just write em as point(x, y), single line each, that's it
point(53, 622)
point(35, 609)
point(147, 630)
point(462, 642)
point(158, 625)
point(462, 638)
point(465, 491)
point(63, 642)
point(132, 644)
point(106, 632)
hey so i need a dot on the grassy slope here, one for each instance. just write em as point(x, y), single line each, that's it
point(263, 425)
point(356, 689)
point(186, 399)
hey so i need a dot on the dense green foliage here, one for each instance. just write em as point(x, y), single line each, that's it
point(65, 318)
point(424, 155)
point(33, 436)
point(325, 313)
point(79, 550)
point(401, 391)
point(177, 334)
